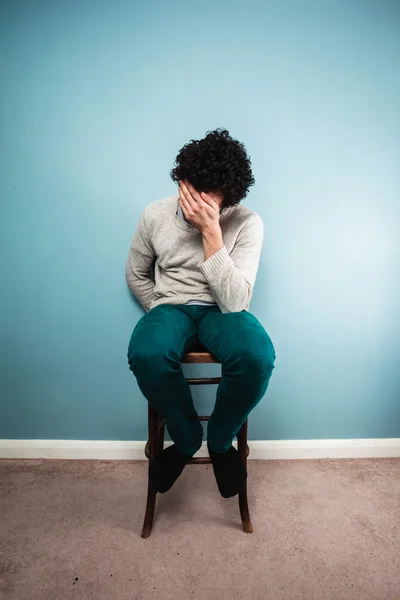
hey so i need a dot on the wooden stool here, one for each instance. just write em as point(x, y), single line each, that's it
point(155, 444)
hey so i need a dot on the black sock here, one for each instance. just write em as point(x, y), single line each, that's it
point(229, 471)
point(166, 467)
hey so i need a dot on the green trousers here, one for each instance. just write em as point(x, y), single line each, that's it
point(240, 343)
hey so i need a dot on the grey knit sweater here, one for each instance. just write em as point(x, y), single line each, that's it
point(166, 260)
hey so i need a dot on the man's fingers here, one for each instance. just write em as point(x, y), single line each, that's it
point(195, 194)
point(184, 204)
point(209, 200)
point(183, 209)
point(186, 193)
point(194, 199)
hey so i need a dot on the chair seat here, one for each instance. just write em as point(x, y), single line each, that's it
point(199, 354)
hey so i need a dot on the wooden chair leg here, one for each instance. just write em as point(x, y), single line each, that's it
point(161, 433)
point(150, 508)
point(243, 503)
point(155, 445)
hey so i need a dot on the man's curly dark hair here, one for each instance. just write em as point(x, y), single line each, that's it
point(217, 163)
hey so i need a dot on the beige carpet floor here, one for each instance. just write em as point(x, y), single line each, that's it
point(324, 530)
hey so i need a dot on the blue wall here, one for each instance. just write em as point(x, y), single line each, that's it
point(97, 98)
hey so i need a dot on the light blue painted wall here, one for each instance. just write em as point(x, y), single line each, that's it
point(96, 100)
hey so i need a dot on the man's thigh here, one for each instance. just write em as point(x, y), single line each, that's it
point(164, 330)
point(233, 336)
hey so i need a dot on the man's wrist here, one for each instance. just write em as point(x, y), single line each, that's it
point(211, 232)
point(212, 241)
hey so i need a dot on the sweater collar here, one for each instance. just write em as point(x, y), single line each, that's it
point(183, 224)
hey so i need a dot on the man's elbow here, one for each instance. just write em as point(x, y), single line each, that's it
point(135, 283)
point(238, 302)
point(130, 279)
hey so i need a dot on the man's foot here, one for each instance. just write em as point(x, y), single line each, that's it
point(229, 471)
point(166, 467)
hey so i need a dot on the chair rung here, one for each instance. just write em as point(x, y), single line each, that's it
point(203, 380)
point(161, 423)
point(200, 460)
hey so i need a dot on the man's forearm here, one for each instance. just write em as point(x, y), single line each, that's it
point(212, 241)
point(231, 276)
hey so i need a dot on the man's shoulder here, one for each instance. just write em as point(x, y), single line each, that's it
point(159, 209)
point(244, 214)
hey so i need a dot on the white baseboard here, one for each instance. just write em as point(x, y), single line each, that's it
point(263, 449)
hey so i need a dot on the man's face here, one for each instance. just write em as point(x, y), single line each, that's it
point(217, 196)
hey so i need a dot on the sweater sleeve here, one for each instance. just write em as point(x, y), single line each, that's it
point(138, 270)
point(231, 277)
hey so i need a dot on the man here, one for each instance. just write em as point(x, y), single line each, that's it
point(192, 265)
